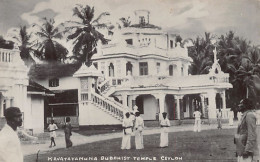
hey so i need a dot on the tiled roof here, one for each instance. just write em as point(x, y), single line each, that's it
point(43, 71)
point(35, 87)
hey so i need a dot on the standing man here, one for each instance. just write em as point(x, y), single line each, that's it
point(127, 132)
point(231, 117)
point(67, 131)
point(246, 137)
point(165, 124)
point(139, 126)
point(197, 124)
point(10, 146)
point(219, 116)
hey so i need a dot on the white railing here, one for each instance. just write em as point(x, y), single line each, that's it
point(104, 86)
point(6, 55)
point(115, 109)
point(107, 84)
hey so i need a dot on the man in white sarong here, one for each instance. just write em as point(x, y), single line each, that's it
point(197, 124)
point(139, 126)
point(127, 132)
point(165, 124)
point(230, 117)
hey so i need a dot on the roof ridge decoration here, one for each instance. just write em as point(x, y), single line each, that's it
point(86, 71)
point(215, 69)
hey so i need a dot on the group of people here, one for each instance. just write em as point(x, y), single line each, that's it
point(135, 125)
point(67, 130)
point(245, 138)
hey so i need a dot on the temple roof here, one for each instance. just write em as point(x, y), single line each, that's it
point(43, 71)
point(145, 26)
point(35, 87)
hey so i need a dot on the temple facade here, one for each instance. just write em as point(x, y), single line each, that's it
point(142, 69)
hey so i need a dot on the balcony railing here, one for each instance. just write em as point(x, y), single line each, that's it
point(171, 81)
point(6, 55)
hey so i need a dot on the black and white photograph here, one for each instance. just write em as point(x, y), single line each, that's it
point(130, 80)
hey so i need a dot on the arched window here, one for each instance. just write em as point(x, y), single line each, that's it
point(129, 67)
point(171, 70)
point(111, 70)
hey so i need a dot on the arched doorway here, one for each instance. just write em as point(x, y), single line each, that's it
point(111, 70)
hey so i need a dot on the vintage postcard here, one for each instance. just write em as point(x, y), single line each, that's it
point(139, 80)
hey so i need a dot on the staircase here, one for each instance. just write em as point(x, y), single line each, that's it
point(107, 105)
point(107, 87)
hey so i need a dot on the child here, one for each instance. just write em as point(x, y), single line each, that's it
point(52, 129)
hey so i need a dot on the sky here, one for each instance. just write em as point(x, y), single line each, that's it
point(189, 18)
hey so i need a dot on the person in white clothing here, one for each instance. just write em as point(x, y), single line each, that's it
point(52, 129)
point(231, 117)
point(197, 124)
point(165, 124)
point(239, 116)
point(139, 126)
point(219, 116)
point(10, 147)
point(127, 132)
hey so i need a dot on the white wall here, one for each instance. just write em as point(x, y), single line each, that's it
point(92, 115)
point(34, 114)
point(64, 83)
point(150, 108)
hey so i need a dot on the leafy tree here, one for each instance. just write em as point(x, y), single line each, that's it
point(253, 58)
point(48, 47)
point(202, 54)
point(26, 47)
point(84, 34)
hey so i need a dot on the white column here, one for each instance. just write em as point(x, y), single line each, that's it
point(178, 99)
point(130, 104)
point(7, 102)
point(212, 105)
point(202, 97)
point(161, 98)
point(224, 108)
point(124, 100)
point(223, 96)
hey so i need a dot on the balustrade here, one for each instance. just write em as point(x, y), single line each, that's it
point(6, 55)
point(115, 109)
point(84, 97)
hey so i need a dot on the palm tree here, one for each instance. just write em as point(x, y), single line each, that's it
point(202, 54)
point(26, 47)
point(49, 49)
point(253, 58)
point(84, 34)
point(246, 76)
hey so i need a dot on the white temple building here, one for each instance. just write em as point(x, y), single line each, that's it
point(142, 65)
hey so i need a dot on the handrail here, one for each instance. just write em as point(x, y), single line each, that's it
point(104, 85)
point(110, 106)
